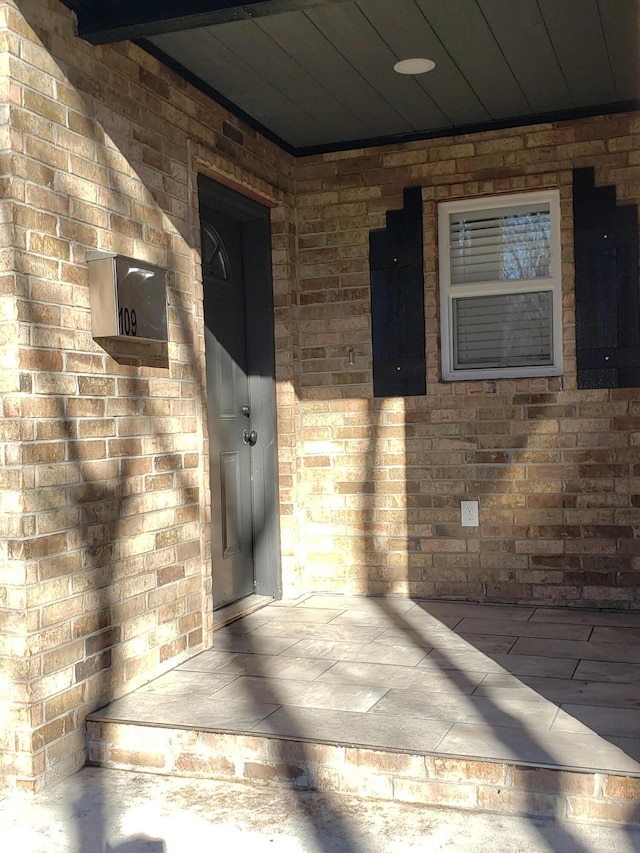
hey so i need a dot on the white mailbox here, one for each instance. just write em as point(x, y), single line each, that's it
point(128, 298)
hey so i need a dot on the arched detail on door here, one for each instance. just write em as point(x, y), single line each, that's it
point(215, 258)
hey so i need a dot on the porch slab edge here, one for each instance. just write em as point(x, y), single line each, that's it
point(437, 780)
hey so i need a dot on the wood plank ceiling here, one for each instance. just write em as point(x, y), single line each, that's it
point(318, 74)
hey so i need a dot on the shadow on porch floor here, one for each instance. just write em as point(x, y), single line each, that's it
point(509, 708)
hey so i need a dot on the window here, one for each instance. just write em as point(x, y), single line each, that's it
point(500, 287)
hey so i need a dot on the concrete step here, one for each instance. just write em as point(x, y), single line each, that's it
point(503, 787)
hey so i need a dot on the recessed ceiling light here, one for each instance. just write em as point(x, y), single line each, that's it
point(414, 66)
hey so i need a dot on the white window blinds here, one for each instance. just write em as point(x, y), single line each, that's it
point(501, 244)
point(510, 330)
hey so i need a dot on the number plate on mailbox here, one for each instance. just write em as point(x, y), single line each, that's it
point(141, 300)
point(128, 298)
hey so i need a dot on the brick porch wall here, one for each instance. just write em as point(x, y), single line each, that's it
point(105, 572)
point(555, 469)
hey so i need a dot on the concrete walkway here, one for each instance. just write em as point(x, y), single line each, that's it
point(110, 811)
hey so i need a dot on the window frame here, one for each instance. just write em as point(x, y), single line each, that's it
point(449, 292)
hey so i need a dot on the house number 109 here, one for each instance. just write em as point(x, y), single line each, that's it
point(128, 322)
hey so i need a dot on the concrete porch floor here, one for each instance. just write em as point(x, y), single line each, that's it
point(508, 708)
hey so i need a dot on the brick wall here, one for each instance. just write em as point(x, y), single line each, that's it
point(105, 576)
point(555, 469)
point(104, 554)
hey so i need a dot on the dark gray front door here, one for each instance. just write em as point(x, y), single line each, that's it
point(241, 393)
point(229, 414)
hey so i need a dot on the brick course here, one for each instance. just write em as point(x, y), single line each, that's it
point(497, 786)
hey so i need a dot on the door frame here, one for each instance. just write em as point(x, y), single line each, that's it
point(255, 224)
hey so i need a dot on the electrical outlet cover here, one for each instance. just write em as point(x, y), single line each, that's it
point(469, 513)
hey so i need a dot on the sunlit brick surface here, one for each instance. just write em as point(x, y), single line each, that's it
point(105, 573)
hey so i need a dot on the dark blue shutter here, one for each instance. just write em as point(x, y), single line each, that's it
point(607, 286)
point(397, 302)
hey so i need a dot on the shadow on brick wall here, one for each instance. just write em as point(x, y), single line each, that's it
point(499, 720)
point(103, 438)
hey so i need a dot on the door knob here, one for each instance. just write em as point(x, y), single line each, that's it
point(249, 438)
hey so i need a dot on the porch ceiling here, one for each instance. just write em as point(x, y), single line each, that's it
point(318, 74)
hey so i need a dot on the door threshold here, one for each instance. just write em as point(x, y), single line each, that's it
point(237, 609)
